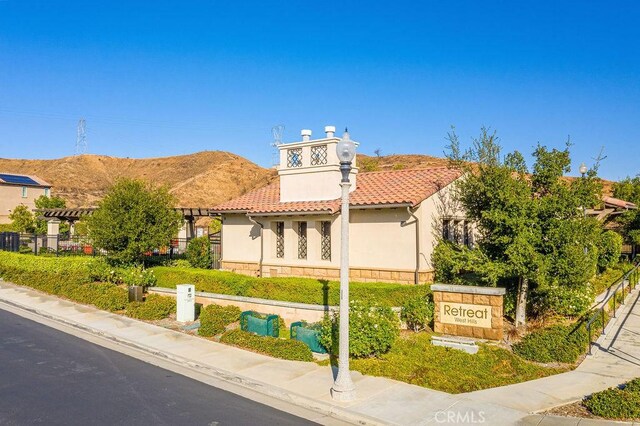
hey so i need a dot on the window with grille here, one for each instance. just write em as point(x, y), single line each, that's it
point(468, 237)
point(280, 239)
point(294, 157)
point(318, 155)
point(446, 230)
point(302, 240)
point(457, 235)
point(325, 240)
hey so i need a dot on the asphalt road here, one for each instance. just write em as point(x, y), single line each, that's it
point(50, 377)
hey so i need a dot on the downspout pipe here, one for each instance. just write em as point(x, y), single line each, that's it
point(416, 275)
point(261, 243)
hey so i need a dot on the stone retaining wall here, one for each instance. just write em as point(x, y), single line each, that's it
point(288, 311)
point(355, 274)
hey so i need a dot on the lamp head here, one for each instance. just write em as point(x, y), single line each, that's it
point(583, 168)
point(346, 149)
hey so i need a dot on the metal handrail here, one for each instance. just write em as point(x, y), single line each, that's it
point(632, 277)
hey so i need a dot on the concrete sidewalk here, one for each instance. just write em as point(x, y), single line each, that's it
point(615, 360)
point(379, 400)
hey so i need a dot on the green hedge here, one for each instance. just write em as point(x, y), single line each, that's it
point(67, 277)
point(299, 290)
point(155, 307)
point(616, 403)
point(214, 319)
point(292, 350)
point(558, 343)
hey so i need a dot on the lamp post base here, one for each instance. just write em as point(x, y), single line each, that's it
point(342, 395)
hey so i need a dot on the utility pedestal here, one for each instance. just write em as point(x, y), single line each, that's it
point(186, 303)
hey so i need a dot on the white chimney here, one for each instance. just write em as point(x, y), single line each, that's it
point(330, 130)
point(306, 134)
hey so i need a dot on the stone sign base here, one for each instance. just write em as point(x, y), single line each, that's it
point(468, 311)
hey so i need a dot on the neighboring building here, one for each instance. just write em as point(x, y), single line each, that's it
point(20, 189)
point(292, 226)
point(608, 212)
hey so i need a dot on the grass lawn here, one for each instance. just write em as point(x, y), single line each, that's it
point(413, 359)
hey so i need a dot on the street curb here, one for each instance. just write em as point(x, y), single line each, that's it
point(227, 376)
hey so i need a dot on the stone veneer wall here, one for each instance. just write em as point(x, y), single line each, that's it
point(475, 296)
point(355, 274)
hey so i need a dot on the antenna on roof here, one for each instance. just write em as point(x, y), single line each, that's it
point(276, 132)
point(81, 139)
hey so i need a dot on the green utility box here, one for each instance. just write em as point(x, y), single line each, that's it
point(308, 334)
point(262, 325)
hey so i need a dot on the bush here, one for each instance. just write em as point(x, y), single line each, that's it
point(292, 350)
point(417, 312)
point(199, 252)
point(215, 318)
point(155, 307)
point(179, 263)
point(67, 277)
point(616, 403)
point(299, 290)
point(372, 330)
point(558, 343)
point(562, 300)
point(609, 249)
point(137, 275)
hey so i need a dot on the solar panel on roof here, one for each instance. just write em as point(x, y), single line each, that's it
point(21, 180)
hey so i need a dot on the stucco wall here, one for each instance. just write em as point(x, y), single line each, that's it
point(11, 197)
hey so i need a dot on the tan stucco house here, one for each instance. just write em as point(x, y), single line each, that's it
point(292, 226)
point(20, 189)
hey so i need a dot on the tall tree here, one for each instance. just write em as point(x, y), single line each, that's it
point(133, 218)
point(531, 225)
point(22, 219)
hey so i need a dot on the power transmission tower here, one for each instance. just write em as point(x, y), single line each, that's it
point(81, 139)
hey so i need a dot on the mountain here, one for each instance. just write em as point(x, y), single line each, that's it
point(203, 179)
point(197, 180)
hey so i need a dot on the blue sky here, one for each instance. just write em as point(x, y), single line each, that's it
point(164, 78)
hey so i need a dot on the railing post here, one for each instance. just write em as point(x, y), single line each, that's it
point(603, 320)
point(589, 333)
point(614, 302)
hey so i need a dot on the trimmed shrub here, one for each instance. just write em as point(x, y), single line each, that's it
point(66, 277)
point(214, 319)
point(562, 300)
point(292, 350)
point(609, 249)
point(299, 290)
point(372, 330)
point(138, 275)
point(417, 312)
point(199, 252)
point(155, 307)
point(558, 343)
point(616, 403)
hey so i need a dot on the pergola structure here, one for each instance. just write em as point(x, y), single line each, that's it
point(72, 215)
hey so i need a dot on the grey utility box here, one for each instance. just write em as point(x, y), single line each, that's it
point(186, 302)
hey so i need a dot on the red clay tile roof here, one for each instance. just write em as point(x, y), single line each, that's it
point(616, 202)
point(409, 187)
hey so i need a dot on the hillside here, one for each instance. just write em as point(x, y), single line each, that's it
point(203, 179)
point(197, 180)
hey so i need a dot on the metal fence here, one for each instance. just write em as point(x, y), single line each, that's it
point(618, 288)
point(78, 245)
